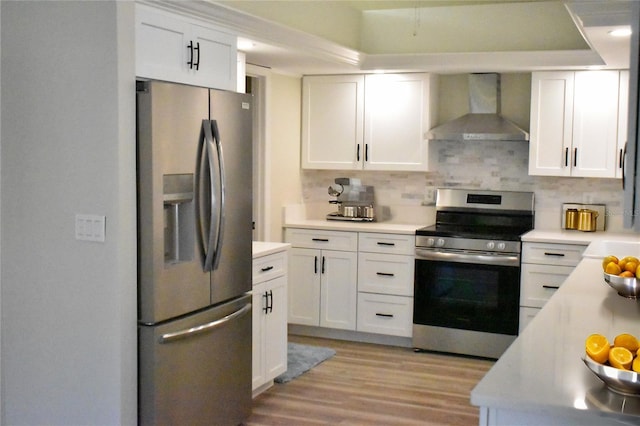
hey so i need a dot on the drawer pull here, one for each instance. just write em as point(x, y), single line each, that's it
point(384, 274)
point(554, 287)
point(321, 240)
point(384, 315)
point(554, 254)
point(382, 243)
point(267, 268)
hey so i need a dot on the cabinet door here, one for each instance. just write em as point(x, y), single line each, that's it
point(217, 59)
point(304, 288)
point(275, 328)
point(623, 110)
point(396, 117)
point(595, 123)
point(551, 123)
point(332, 122)
point(259, 302)
point(339, 289)
point(161, 45)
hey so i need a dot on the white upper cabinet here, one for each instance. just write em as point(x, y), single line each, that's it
point(332, 122)
point(398, 113)
point(372, 122)
point(574, 123)
point(174, 48)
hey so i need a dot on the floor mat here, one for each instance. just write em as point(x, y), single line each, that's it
point(302, 358)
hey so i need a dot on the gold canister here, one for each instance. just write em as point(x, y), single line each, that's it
point(571, 219)
point(587, 220)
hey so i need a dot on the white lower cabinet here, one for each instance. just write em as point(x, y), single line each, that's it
point(358, 281)
point(269, 319)
point(385, 283)
point(323, 274)
point(545, 266)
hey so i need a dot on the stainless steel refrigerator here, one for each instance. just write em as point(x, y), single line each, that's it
point(194, 255)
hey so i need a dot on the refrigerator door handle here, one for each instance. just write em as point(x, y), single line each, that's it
point(177, 335)
point(205, 199)
point(221, 189)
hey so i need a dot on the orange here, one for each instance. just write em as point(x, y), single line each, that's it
point(628, 341)
point(620, 357)
point(635, 366)
point(638, 273)
point(597, 347)
point(622, 263)
point(631, 266)
point(612, 268)
point(610, 258)
point(627, 274)
point(631, 259)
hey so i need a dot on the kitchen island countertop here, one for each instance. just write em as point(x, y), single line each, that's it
point(541, 378)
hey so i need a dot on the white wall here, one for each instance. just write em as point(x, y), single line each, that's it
point(68, 146)
point(284, 168)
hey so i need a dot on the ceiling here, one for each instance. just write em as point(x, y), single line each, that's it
point(325, 37)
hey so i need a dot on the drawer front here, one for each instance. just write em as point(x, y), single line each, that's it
point(385, 273)
point(387, 243)
point(540, 282)
point(318, 239)
point(552, 254)
point(526, 316)
point(268, 267)
point(383, 314)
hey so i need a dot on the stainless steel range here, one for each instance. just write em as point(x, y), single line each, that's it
point(467, 272)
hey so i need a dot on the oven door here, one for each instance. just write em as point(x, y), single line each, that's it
point(468, 291)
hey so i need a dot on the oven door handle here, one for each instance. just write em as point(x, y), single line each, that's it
point(468, 257)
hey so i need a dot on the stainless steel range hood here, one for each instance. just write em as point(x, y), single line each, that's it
point(484, 121)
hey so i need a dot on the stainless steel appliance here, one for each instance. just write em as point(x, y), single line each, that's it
point(467, 272)
point(354, 200)
point(631, 164)
point(483, 122)
point(194, 255)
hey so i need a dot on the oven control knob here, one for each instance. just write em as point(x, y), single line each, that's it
point(491, 245)
point(431, 242)
point(440, 242)
point(502, 246)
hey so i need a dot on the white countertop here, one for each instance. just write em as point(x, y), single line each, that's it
point(337, 225)
point(263, 248)
point(561, 236)
point(542, 371)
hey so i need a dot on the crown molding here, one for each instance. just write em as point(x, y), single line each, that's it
point(485, 61)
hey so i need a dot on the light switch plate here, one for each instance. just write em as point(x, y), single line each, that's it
point(90, 227)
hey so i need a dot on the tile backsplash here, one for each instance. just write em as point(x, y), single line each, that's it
point(489, 165)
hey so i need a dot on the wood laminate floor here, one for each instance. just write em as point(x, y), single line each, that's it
point(366, 384)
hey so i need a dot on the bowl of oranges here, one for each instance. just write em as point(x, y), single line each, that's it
point(617, 364)
point(623, 275)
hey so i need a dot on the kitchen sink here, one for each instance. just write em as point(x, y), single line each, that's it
point(617, 247)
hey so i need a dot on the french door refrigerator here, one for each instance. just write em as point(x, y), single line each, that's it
point(194, 255)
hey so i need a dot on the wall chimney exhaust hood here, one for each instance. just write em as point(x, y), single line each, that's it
point(484, 121)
